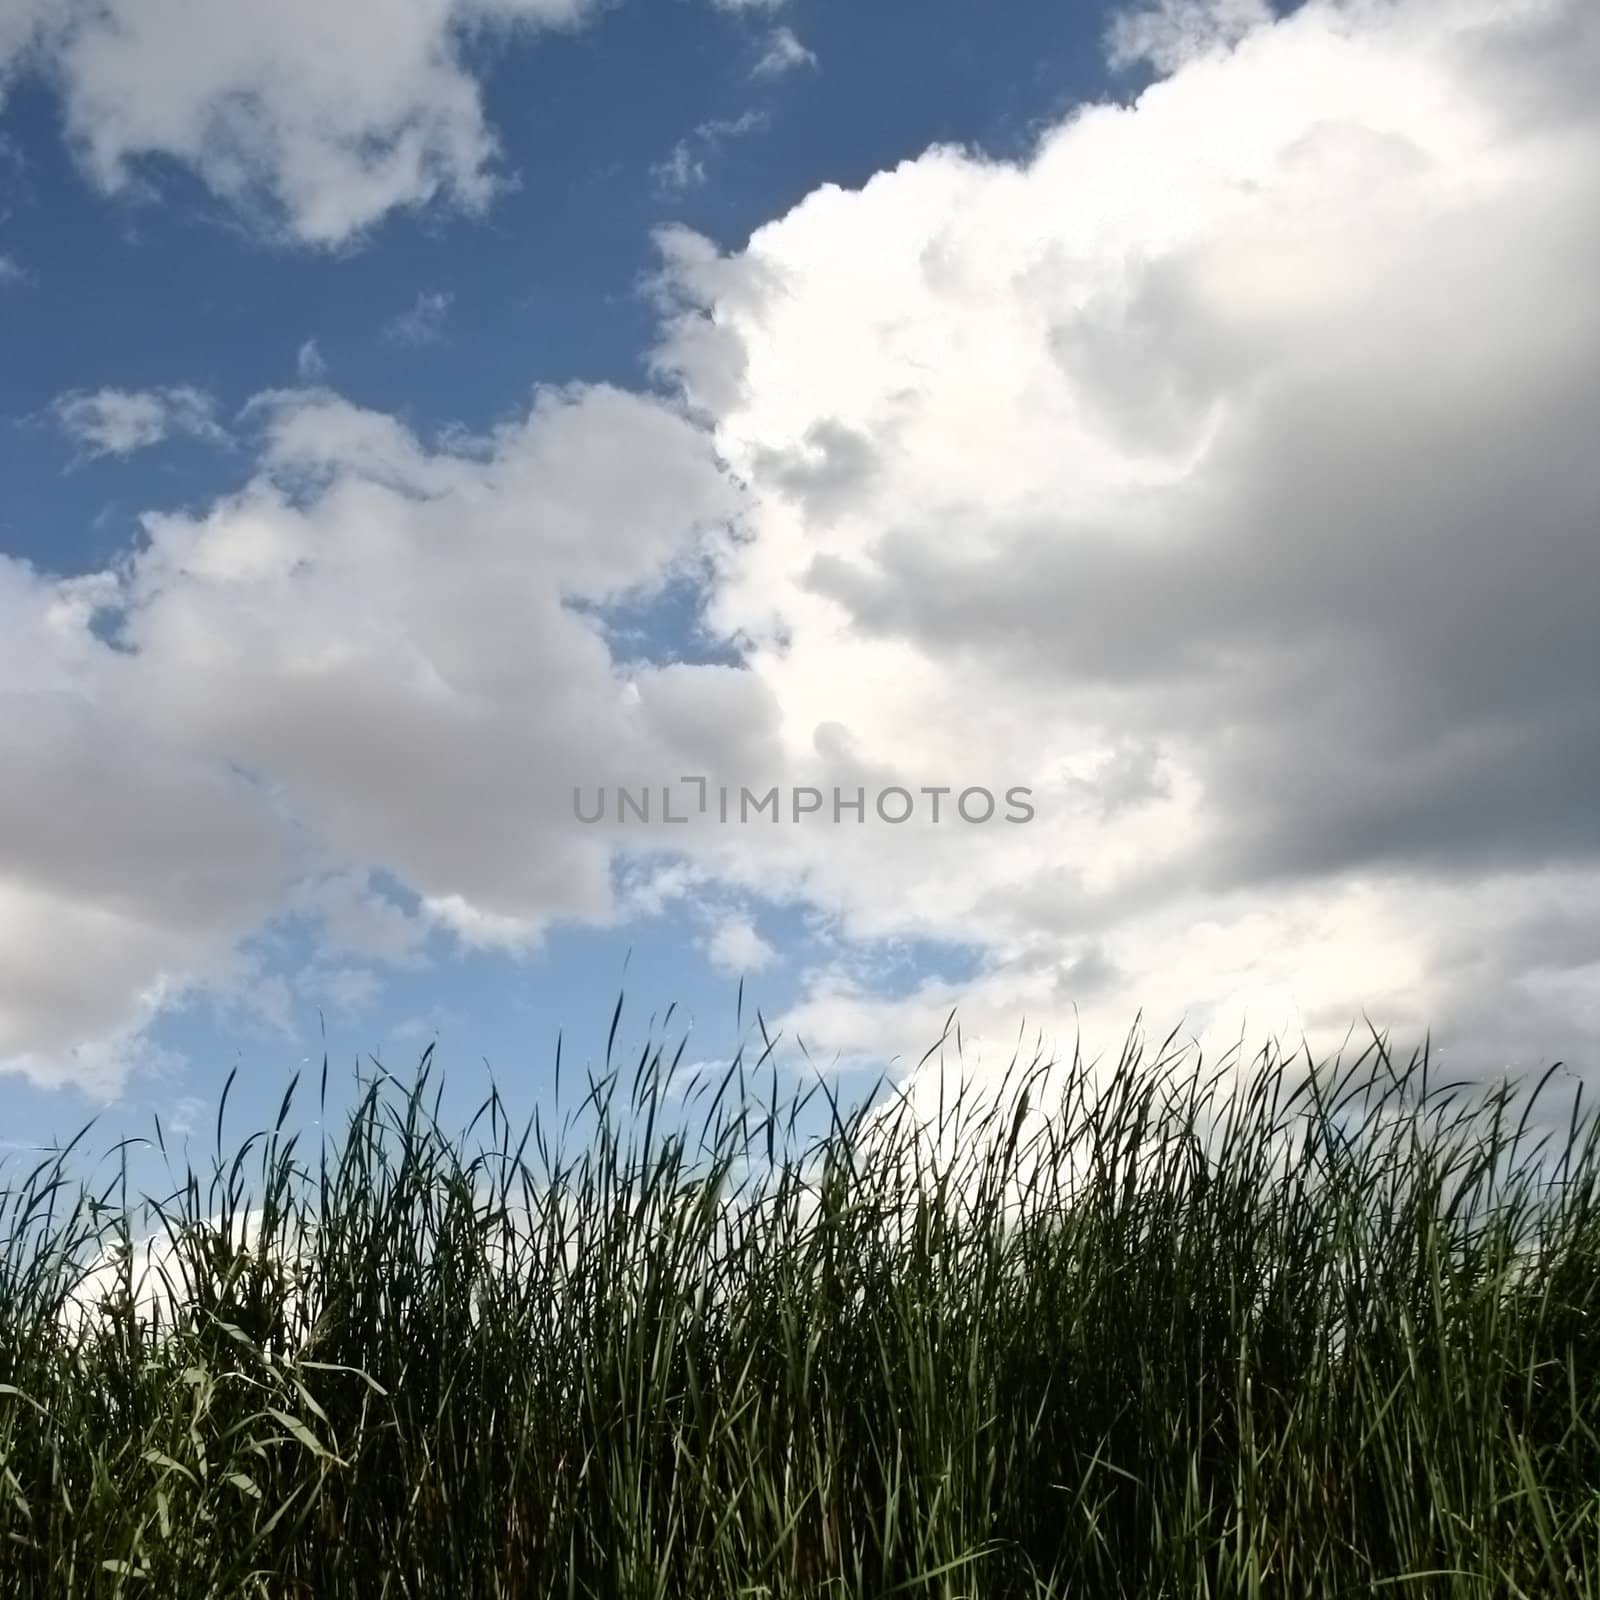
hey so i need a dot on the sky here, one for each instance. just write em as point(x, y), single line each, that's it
point(1060, 515)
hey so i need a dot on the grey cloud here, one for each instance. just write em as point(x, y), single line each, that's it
point(832, 471)
point(1368, 615)
point(365, 658)
point(126, 871)
point(1246, 432)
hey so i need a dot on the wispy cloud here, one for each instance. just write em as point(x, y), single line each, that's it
point(118, 422)
point(351, 991)
point(186, 1115)
point(309, 363)
point(423, 323)
point(784, 53)
point(681, 170)
point(686, 167)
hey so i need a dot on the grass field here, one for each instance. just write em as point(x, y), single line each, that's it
point(1150, 1332)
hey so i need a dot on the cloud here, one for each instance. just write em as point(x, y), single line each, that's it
point(681, 170)
point(309, 363)
point(736, 948)
point(349, 990)
point(686, 167)
point(317, 121)
point(783, 53)
point(355, 917)
point(1169, 35)
point(11, 273)
point(369, 655)
point(129, 872)
point(748, 5)
point(22, 25)
point(1223, 471)
point(186, 1115)
point(118, 422)
point(423, 323)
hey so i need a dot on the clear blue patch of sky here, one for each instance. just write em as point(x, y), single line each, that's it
point(665, 627)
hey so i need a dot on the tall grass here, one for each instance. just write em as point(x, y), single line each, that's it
point(1275, 1332)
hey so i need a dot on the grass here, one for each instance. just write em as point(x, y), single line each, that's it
point(1153, 1332)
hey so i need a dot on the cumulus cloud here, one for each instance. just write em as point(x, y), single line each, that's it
point(118, 422)
point(128, 873)
point(372, 655)
point(1223, 473)
point(318, 120)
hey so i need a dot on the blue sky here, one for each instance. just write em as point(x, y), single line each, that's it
point(1020, 394)
point(144, 291)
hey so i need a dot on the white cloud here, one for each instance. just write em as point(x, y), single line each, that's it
point(118, 422)
point(318, 120)
point(1174, 32)
point(11, 272)
point(363, 657)
point(1223, 472)
point(783, 53)
point(748, 5)
point(737, 948)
